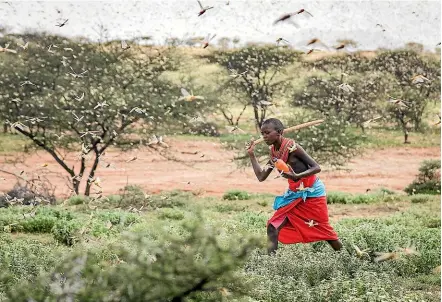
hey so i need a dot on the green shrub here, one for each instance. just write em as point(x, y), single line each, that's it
point(176, 268)
point(24, 259)
point(236, 195)
point(118, 218)
point(428, 187)
point(45, 217)
point(9, 221)
point(171, 214)
point(58, 213)
point(38, 224)
point(114, 200)
point(367, 198)
point(171, 199)
point(347, 198)
point(64, 231)
point(386, 191)
point(263, 203)
point(419, 198)
point(252, 221)
point(428, 179)
point(433, 223)
point(76, 200)
point(132, 195)
point(227, 208)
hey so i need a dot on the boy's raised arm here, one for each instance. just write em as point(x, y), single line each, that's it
point(259, 172)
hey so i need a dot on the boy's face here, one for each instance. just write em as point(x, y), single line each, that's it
point(269, 134)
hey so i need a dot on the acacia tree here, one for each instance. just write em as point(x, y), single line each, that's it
point(63, 94)
point(353, 98)
point(350, 89)
point(344, 64)
point(403, 66)
point(259, 70)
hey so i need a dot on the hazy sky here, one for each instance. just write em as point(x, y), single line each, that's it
point(249, 20)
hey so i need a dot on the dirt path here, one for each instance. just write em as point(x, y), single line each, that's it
point(214, 173)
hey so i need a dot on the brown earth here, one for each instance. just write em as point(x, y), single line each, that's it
point(212, 172)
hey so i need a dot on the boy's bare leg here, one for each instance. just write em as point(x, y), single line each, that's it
point(272, 235)
point(335, 244)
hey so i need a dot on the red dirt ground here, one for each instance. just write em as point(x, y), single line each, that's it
point(215, 173)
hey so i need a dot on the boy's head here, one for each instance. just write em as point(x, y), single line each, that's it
point(272, 130)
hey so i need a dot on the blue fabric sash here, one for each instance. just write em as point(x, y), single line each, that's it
point(317, 190)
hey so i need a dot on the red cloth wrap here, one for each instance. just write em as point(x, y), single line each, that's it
point(299, 213)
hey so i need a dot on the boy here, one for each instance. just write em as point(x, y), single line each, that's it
point(301, 213)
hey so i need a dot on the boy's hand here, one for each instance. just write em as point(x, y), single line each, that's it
point(250, 146)
point(290, 175)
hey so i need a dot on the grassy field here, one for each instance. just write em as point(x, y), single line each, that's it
point(32, 246)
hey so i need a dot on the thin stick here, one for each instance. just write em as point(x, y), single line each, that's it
point(293, 128)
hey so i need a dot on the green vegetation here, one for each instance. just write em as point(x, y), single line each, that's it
point(236, 195)
point(428, 179)
point(189, 251)
point(176, 246)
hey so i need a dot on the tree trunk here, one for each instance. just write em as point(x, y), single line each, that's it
point(228, 119)
point(239, 116)
point(5, 128)
point(405, 130)
point(401, 118)
point(257, 120)
point(76, 185)
point(406, 137)
point(89, 183)
point(77, 179)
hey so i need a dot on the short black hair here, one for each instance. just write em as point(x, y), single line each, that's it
point(277, 124)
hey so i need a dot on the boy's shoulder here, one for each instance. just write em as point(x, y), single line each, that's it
point(292, 146)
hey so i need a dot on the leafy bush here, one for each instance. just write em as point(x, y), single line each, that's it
point(419, 198)
point(169, 199)
point(236, 195)
point(227, 208)
point(64, 231)
point(132, 195)
point(40, 220)
point(347, 198)
point(24, 259)
point(173, 269)
point(171, 214)
point(38, 224)
point(76, 200)
point(263, 203)
point(252, 221)
point(428, 179)
point(118, 218)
